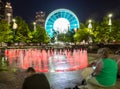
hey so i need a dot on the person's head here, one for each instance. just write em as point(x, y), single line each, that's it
point(103, 53)
point(30, 71)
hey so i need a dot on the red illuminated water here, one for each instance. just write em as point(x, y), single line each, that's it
point(48, 60)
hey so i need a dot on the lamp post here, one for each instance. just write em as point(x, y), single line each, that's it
point(90, 24)
point(14, 26)
point(90, 27)
point(34, 23)
point(110, 21)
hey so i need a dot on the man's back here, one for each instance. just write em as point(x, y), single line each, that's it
point(36, 81)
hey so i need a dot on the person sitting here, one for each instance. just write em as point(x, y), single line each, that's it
point(35, 80)
point(117, 59)
point(104, 71)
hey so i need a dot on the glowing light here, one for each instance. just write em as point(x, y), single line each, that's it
point(110, 21)
point(14, 24)
point(70, 23)
point(90, 25)
point(47, 61)
point(34, 23)
point(61, 25)
point(9, 15)
point(14, 20)
point(110, 15)
point(90, 21)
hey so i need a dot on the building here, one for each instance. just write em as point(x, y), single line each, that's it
point(40, 18)
point(8, 12)
point(2, 10)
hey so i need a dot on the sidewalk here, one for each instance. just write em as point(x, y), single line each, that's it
point(11, 80)
point(61, 80)
point(57, 80)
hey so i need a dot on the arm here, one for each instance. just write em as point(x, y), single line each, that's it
point(98, 68)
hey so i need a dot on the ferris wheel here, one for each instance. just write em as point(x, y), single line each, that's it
point(61, 21)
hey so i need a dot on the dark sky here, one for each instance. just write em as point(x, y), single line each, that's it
point(84, 9)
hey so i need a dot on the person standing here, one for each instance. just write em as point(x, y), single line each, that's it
point(35, 80)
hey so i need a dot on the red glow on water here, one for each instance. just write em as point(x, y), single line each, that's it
point(47, 61)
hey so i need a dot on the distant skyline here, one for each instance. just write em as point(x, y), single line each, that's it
point(84, 9)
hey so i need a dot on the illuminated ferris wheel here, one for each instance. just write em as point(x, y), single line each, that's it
point(61, 21)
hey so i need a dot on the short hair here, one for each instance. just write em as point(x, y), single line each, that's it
point(30, 69)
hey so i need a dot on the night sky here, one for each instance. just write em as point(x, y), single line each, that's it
point(84, 9)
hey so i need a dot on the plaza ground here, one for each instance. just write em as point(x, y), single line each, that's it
point(10, 78)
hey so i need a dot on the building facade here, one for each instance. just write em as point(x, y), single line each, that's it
point(40, 18)
point(2, 10)
point(8, 12)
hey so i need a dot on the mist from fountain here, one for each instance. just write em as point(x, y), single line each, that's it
point(50, 60)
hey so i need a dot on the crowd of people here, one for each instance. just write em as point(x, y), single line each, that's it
point(103, 72)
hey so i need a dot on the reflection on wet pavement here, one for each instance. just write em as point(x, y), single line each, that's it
point(61, 80)
point(58, 80)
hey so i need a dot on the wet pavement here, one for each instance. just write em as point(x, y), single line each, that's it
point(10, 78)
point(57, 80)
point(62, 80)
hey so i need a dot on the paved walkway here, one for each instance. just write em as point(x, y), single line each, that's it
point(11, 80)
point(59, 80)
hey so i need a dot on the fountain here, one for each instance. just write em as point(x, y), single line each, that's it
point(50, 60)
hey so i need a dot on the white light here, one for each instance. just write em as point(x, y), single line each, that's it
point(8, 14)
point(90, 25)
point(15, 26)
point(61, 25)
point(110, 15)
point(110, 21)
point(90, 21)
point(9, 17)
point(34, 23)
point(14, 20)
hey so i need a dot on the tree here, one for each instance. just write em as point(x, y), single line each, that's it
point(40, 35)
point(6, 33)
point(81, 34)
point(102, 31)
point(66, 37)
point(22, 32)
point(115, 31)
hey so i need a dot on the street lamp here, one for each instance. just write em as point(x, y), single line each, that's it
point(110, 21)
point(34, 23)
point(90, 27)
point(90, 24)
point(14, 26)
